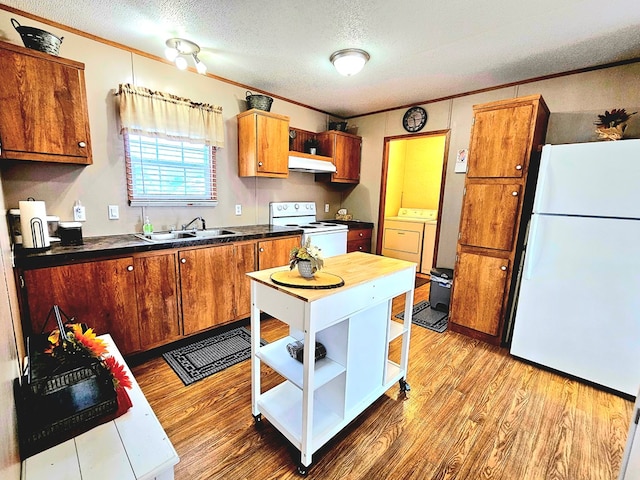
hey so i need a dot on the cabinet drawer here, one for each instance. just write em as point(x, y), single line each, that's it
point(363, 245)
point(358, 234)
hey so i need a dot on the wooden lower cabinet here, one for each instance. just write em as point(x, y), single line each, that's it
point(359, 240)
point(275, 253)
point(158, 299)
point(480, 292)
point(206, 286)
point(150, 299)
point(245, 261)
point(101, 294)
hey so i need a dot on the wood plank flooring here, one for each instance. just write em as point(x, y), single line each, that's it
point(473, 412)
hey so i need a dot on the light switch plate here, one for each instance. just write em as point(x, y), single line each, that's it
point(238, 209)
point(114, 212)
point(326, 208)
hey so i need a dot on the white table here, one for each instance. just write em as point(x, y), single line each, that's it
point(132, 446)
point(353, 322)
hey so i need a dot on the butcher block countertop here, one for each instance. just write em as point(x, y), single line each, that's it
point(354, 268)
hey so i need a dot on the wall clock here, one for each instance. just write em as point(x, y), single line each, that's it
point(414, 119)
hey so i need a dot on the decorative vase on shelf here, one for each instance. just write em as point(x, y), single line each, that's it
point(305, 269)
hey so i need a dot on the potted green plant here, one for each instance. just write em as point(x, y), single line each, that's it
point(611, 125)
point(308, 258)
point(311, 146)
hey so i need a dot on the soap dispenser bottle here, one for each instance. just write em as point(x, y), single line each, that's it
point(147, 227)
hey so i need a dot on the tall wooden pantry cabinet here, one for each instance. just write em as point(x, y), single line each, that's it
point(504, 152)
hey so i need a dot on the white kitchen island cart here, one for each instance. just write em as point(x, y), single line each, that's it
point(353, 322)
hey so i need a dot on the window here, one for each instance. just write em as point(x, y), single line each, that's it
point(169, 172)
point(170, 146)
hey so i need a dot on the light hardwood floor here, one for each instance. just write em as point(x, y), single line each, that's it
point(473, 412)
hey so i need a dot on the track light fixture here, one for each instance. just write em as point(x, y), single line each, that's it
point(178, 48)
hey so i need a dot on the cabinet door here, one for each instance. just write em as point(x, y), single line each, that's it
point(347, 159)
point(206, 287)
point(245, 261)
point(501, 141)
point(479, 288)
point(44, 108)
point(275, 253)
point(100, 294)
point(273, 145)
point(489, 215)
point(157, 295)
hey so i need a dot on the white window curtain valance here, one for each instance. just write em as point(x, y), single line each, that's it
point(163, 115)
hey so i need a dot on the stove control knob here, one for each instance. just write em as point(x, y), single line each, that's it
point(279, 207)
point(284, 207)
point(296, 206)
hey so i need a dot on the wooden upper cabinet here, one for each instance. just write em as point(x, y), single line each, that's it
point(480, 292)
point(263, 144)
point(489, 215)
point(504, 135)
point(44, 107)
point(345, 151)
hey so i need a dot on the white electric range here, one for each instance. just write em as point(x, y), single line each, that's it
point(330, 238)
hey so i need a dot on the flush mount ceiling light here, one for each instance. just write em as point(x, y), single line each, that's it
point(349, 61)
point(178, 48)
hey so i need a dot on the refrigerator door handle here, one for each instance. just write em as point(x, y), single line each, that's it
point(531, 253)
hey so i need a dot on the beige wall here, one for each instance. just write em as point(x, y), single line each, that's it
point(574, 102)
point(103, 183)
point(10, 351)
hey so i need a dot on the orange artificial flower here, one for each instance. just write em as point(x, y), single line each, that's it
point(120, 377)
point(89, 340)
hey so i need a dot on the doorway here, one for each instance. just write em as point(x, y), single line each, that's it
point(413, 177)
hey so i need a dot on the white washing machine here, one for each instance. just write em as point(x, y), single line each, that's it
point(411, 236)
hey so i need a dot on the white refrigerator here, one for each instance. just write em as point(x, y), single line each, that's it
point(578, 307)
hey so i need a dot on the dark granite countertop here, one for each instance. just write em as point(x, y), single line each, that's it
point(126, 244)
point(353, 224)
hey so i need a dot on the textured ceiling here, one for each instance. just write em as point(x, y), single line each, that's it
point(420, 49)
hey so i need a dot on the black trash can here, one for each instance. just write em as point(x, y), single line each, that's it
point(440, 289)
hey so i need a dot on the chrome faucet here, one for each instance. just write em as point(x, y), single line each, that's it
point(187, 225)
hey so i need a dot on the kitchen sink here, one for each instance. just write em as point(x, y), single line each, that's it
point(213, 232)
point(163, 236)
point(184, 234)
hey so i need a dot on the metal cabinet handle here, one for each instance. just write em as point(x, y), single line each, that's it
point(360, 247)
point(183, 260)
point(130, 268)
point(518, 167)
point(82, 144)
point(261, 249)
point(360, 234)
point(503, 268)
point(259, 164)
point(515, 194)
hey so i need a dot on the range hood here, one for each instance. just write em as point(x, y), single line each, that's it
point(310, 165)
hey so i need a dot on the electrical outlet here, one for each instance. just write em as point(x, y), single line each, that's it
point(238, 209)
point(326, 208)
point(79, 213)
point(114, 212)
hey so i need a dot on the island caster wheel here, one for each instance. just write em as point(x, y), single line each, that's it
point(404, 386)
point(302, 470)
point(257, 419)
